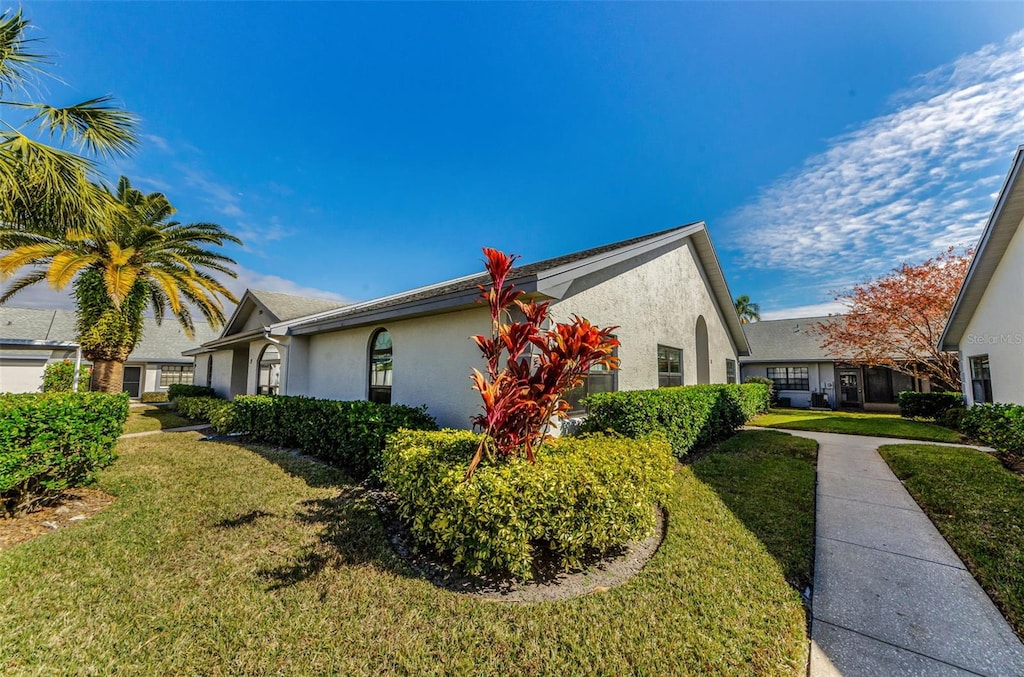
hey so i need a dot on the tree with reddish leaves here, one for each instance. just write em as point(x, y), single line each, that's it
point(529, 367)
point(896, 320)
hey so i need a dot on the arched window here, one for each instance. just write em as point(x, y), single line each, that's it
point(270, 371)
point(703, 354)
point(209, 371)
point(380, 367)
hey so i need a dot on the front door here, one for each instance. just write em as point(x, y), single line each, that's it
point(849, 388)
point(132, 381)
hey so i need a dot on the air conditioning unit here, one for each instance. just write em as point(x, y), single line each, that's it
point(819, 400)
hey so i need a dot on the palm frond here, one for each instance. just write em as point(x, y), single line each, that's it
point(18, 61)
point(95, 126)
point(22, 282)
point(65, 265)
point(15, 259)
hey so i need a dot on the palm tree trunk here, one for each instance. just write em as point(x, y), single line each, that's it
point(108, 376)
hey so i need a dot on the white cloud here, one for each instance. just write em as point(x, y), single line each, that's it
point(812, 310)
point(902, 186)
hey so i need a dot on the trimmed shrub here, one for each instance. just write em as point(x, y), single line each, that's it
point(59, 377)
point(583, 495)
point(690, 417)
point(213, 410)
point(1000, 426)
point(928, 405)
point(153, 397)
point(176, 390)
point(773, 394)
point(351, 434)
point(53, 441)
point(952, 418)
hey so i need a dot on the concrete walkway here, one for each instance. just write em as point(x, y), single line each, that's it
point(890, 596)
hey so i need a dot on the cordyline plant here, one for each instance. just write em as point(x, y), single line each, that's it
point(896, 320)
point(529, 367)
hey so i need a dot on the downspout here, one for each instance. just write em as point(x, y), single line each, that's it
point(78, 367)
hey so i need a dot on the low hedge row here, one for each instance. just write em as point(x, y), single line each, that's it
point(52, 441)
point(928, 405)
point(690, 417)
point(1000, 426)
point(153, 397)
point(176, 390)
point(351, 434)
point(586, 494)
point(215, 411)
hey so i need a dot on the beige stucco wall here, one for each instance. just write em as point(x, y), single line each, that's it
point(433, 357)
point(21, 376)
point(657, 302)
point(996, 328)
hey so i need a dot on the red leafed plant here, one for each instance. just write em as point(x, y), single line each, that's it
point(529, 366)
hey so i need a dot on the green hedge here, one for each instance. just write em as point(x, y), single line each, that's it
point(176, 390)
point(586, 494)
point(351, 434)
point(152, 397)
point(215, 411)
point(690, 417)
point(928, 405)
point(1000, 426)
point(53, 441)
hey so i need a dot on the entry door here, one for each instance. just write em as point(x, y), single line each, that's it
point(849, 388)
point(132, 381)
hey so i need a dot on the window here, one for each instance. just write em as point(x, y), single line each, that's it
point(883, 385)
point(381, 363)
point(981, 379)
point(176, 373)
point(730, 371)
point(790, 378)
point(209, 371)
point(670, 367)
point(600, 379)
point(269, 382)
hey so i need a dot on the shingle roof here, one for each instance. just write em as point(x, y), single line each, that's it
point(792, 340)
point(470, 282)
point(160, 343)
point(288, 306)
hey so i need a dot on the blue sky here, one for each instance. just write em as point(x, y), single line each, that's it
point(365, 149)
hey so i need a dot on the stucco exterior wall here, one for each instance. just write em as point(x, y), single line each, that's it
point(221, 382)
point(821, 378)
point(996, 328)
point(21, 376)
point(432, 361)
point(656, 302)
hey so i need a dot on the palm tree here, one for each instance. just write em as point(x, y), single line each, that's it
point(748, 312)
point(136, 258)
point(57, 174)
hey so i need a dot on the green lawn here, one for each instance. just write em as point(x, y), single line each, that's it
point(856, 423)
point(978, 505)
point(217, 559)
point(767, 479)
point(150, 417)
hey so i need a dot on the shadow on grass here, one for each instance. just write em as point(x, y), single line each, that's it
point(347, 525)
point(767, 481)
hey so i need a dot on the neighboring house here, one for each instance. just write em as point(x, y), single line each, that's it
point(30, 339)
point(789, 352)
point(665, 292)
point(986, 325)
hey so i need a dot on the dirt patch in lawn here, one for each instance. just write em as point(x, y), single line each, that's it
point(600, 573)
point(73, 506)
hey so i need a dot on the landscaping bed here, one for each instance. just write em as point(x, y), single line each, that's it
point(282, 564)
point(856, 423)
point(977, 505)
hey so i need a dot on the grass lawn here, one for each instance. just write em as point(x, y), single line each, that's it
point(978, 506)
point(767, 479)
point(218, 559)
point(150, 417)
point(856, 423)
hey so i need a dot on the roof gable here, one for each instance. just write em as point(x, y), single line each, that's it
point(275, 306)
point(1005, 219)
point(788, 340)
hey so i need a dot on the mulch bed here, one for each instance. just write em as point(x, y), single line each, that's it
point(72, 507)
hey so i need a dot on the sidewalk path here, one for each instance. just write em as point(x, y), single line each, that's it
point(890, 596)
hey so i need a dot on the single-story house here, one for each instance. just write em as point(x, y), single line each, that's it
point(986, 325)
point(789, 352)
point(665, 292)
point(31, 338)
